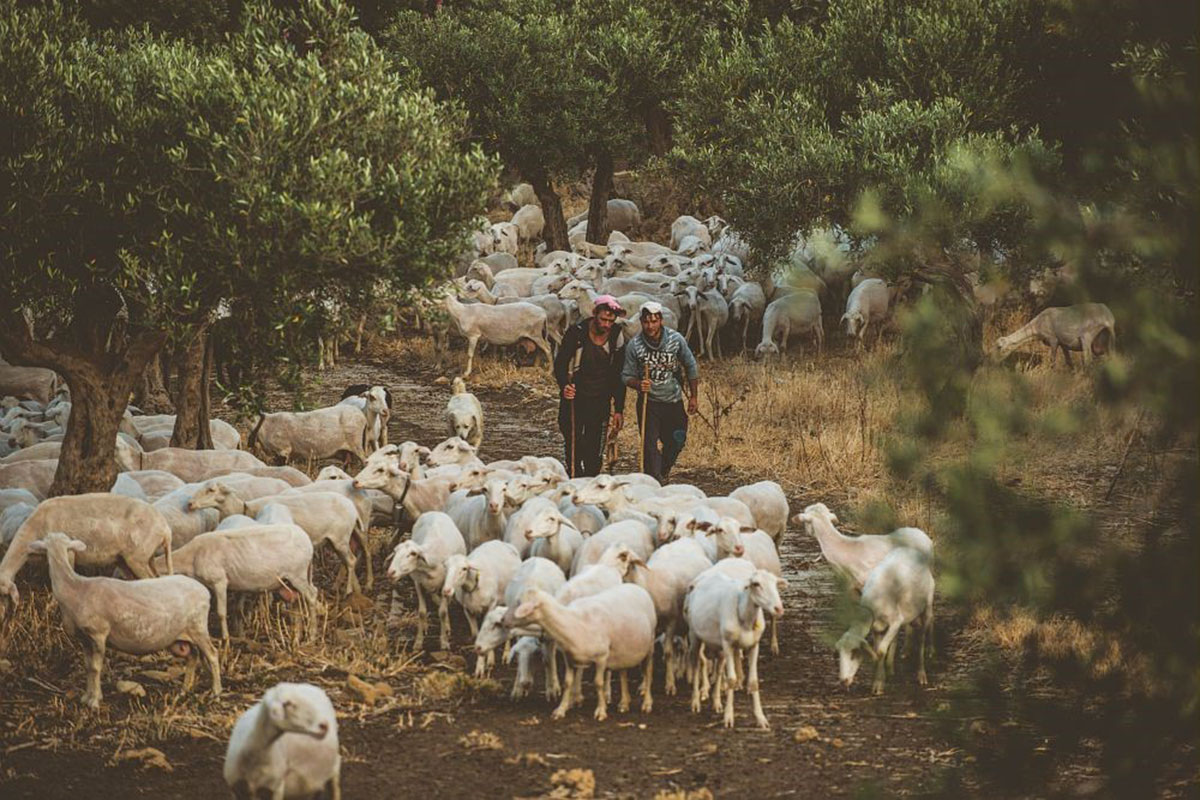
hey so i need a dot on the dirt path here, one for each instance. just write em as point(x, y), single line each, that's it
point(892, 742)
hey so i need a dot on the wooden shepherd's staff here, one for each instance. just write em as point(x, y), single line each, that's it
point(645, 396)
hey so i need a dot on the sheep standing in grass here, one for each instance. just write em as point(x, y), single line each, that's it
point(137, 617)
point(286, 745)
point(1088, 328)
point(464, 414)
point(898, 592)
point(867, 305)
point(790, 315)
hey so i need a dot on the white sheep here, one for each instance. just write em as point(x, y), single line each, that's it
point(321, 433)
point(854, 557)
point(255, 558)
point(768, 504)
point(1087, 328)
point(414, 496)
point(286, 745)
point(529, 220)
point(454, 450)
point(866, 305)
point(685, 226)
point(186, 522)
point(506, 237)
point(614, 630)
point(533, 573)
point(727, 613)
point(324, 516)
point(478, 580)
point(435, 538)
point(498, 325)
point(554, 537)
point(28, 383)
point(631, 533)
point(479, 514)
point(897, 592)
point(11, 520)
point(747, 304)
point(137, 617)
point(373, 403)
point(114, 529)
point(464, 414)
point(193, 466)
point(790, 315)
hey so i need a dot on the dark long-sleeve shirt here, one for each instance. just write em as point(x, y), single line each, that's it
point(599, 368)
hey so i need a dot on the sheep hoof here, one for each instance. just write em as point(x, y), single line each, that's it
point(763, 724)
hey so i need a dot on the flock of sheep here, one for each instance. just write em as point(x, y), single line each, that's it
point(597, 572)
point(592, 572)
point(699, 277)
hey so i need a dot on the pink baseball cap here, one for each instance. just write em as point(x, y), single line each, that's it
point(611, 302)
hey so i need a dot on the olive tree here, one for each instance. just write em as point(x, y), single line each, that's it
point(152, 187)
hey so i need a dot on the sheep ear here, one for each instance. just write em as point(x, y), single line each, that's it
point(76, 545)
point(37, 546)
point(701, 525)
point(526, 608)
point(747, 529)
point(802, 518)
point(424, 451)
point(833, 517)
point(781, 584)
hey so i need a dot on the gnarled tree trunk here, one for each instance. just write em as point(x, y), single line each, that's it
point(101, 374)
point(658, 129)
point(191, 394)
point(602, 181)
point(151, 394)
point(555, 230)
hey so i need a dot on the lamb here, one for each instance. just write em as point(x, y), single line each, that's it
point(613, 629)
point(728, 613)
point(136, 617)
point(529, 221)
point(518, 522)
point(501, 324)
point(897, 592)
point(867, 304)
point(255, 558)
point(324, 516)
point(480, 516)
point(1087, 328)
point(478, 580)
point(434, 540)
point(464, 414)
point(194, 466)
point(111, 526)
point(768, 504)
point(286, 744)
point(758, 548)
point(791, 315)
point(321, 433)
point(534, 573)
point(523, 651)
point(854, 557)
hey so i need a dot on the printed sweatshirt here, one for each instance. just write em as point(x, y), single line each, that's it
point(666, 361)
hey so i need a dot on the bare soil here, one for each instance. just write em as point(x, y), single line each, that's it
point(823, 739)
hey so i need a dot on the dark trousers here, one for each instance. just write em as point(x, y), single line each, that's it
point(591, 424)
point(666, 423)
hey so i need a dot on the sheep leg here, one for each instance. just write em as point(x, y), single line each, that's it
point(1053, 355)
point(394, 613)
point(544, 346)
point(204, 642)
point(1067, 356)
point(752, 687)
point(718, 688)
point(648, 683)
point(349, 561)
point(602, 676)
point(552, 686)
point(422, 623)
point(93, 646)
point(568, 693)
point(626, 698)
point(696, 701)
point(774, 636)
point(891, 659)
point(669, 657)
point(335, 787)
point(472, 342)
point(361, 535)
point(472, 623)
point(730, 675)
point(221, 590)
point(311, 600)
point(444, 622)
point(885, 643)
point(140, 568)
point(922, 678)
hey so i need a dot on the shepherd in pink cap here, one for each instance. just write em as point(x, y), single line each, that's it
point(592, 395)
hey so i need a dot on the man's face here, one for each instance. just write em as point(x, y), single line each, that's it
point(603, 319)
point(652, 325)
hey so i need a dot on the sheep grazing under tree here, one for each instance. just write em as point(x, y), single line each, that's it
point(1088, 328)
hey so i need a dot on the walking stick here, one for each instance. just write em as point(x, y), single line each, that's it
point(645, 396)
point(574, 458)
point(610, 439)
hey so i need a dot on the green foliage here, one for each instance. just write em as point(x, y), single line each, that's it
point(281, 176)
